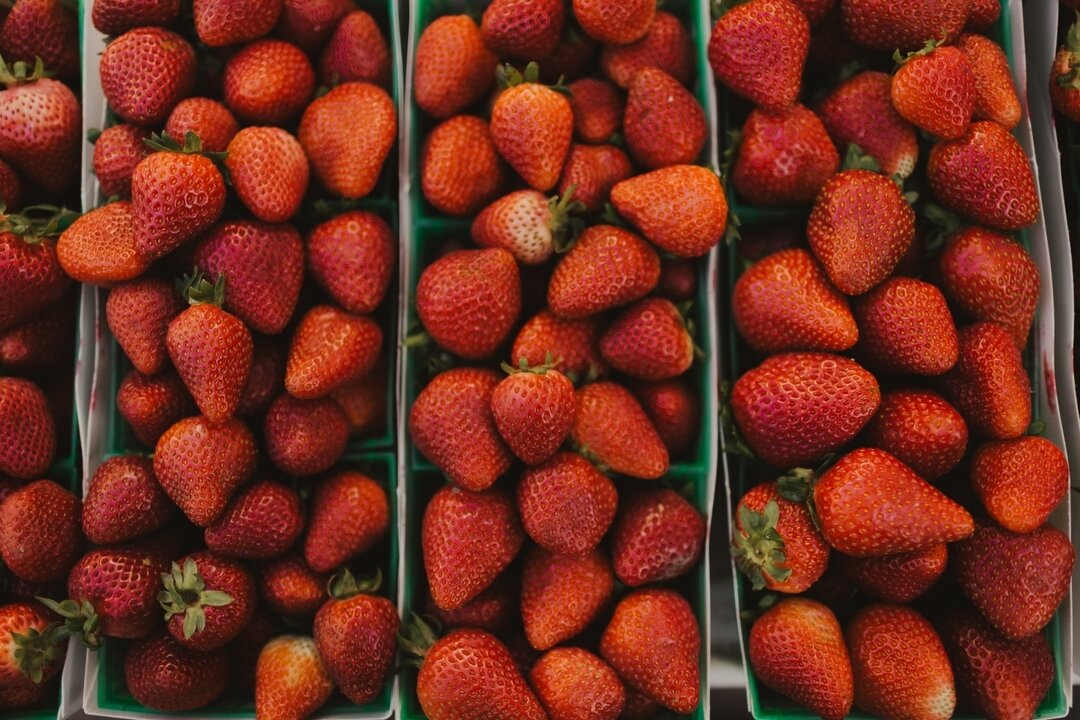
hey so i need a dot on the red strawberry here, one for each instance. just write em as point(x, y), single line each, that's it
point(608, 267)
point(291, 680)
point(145, 72)
point(675, 411)
point(572, 682)
point(245, 649)
point(45, 29)
point(523, 28)
point(572, 58)
point(329, 348)
point(102, 246)
point(39, 128)
point(533, 409)
point(995, 96)
point(266, 380)
point(827, 400)
point(664, 123)
point(38, 346)
point(611, 428)
point(11, 186)
point(210, 120)
point(305, 437)
point(491, 610)
point(346, 158)
point(888, 25)
point(30, 277)
point(796, 648)
point(990, 276)
point(532, 126)
point(566, 504)
point(115, 17)
point(860, 111)
point(653, 643)
point(934, 89)
point(526, 223)
point(592, 171)
point(1020, 481)
point(117, 150)
point(33, 650)
point(999, 678)
point(348, 514)
point(899, 664)
point(162, 674)
point(920, 429)
point(562, 595)
point(453, 67)
point(356, 51)
point(451, 424)
point(27, 429)
point(758, 51)
point(262, 521)
point(784, 157)
point(138, 313)
point(309, 23)
point(905, 327)
point(208, 599)
point(989, 385)
point(467, 539)
point(364, 401)
point(351, 256)
point(269, 172)
point(571, 344)
point(268, 82)
point(658, 536)
point(124, 501)
point(598, 109)
point(291, 588)
point(40, 533)
point(615, 21)
point(1065, 76)
point(152, 404)
point(452, 185)
point(666, 45)
point(649, 341)
point(776, 542)
point(221, 22)
point(985, 175)
point(896, 578)
point(201, 464)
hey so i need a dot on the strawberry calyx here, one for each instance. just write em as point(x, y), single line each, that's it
point(565, 226)
point(185, 594)
point(345, 585)
point(163, 142)
point(931, 45)
point(36, 222)
point(509, 76)
point(1072, 44)
point(523, 366)
point(195, 289)
point(416, 637)
point(758, 548)
point(36, 649)
point(19, 73)
point(79, 618)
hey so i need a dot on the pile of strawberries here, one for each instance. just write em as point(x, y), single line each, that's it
point(567, 134)
point(901, 515)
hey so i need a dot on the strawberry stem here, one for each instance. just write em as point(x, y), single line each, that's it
point(163, 142)
point(19, 73)
point(416, 638)
point(197, 290)
point(345, 585)
point(80, 618)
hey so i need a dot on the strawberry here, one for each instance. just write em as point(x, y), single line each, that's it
point(39, 127)
point(151, 404)
point(666, 45)
point(920, 429)
point(364, 401)
point(40, 534)
point(664, 123)
point(247, 646)
point(310, 23)
point(30, 276)
point(348, 514)
point(572, 58)
point(162, 674)
point(467, 539)
point(985, 175)
point(33, 650)
point(860, 111)
point(201, 464)
point(562, 595)
point(566, 504)
point(291, 680)
point(42, 28)
point(124, 501)
point(533, 408)
point(888, 25)
point(266, 381)
point(1065, 76)
point(658, 536)
point(785, 302)
point(999, 678)
point(826, 402)
point(934, 89)
point(210, 120)
point(208, 599)
point(455, 187)
point(117, 150)
point(653, 642)
point(145, 72)
point(11, 186)
point(115, 17)
point(305, 437)
point(649, 341)
point(571, 343)
point(1020, 481)
point(990, 276)
point(269, 172)
point(527, 224)
point(905, 327)
point(611, 428)
point(347, 159)
point(675, 411)
point(492, 610)
point(356, 51)
point(775, 542)
point(989, 385)
point(37, 348)
point(571, 682)
point(598, 109)
point(351, 256)
point(525, 29)
point(615, 21)
point(899, 664)
point(451, 425)
point(984, 13)
point(532, 126)
point(219, 22)
point(995, 95)
point(758, 51)
point(27, 429)
point(784, 157)
point(639, 707)
point(267, 82)
point(797, 649)
point(607, 268)
point(261, 521)
point(138, 313)
point(896, 578)
point(453, 67)
point(329, 348)
point(291, 588)
point(102, 246)
point(592, 171)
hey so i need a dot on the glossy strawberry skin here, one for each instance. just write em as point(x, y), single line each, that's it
point(357, 641)
point(42, 28)
point(571, 343)
point(305, 437)
point(528, 30)
point(124, 501)
point(356, 51)
point(121, 583)
point(32, 278)
point(115, 17)
point(451, 185)
point(174, 197)
point(675, 411)
point(40, 532)
point(267, 82)
point(532, 126)
point(492, 610)
point(290, 679)
point(268, 171)
point(117, 151)
point(262, 521)
point(784, 157)
point(139, 313)
point(223, 623)
point(905, 327)
point(330, 348)
point(593, 171)
point(657, 106)
point(39, 133)
point(352, 257)
point(936, 92)
point(562, 595)
point(575, 683)
point(921, 429)
point(888, 25)
point(566, 504)
point(1020, 481)
point(290, 588)
point(102, 246)
point(533, 412)
point(613, 429)
point(607, 268)
point(995, 96)
point(209, 119)
point(163, 675)
point(666, 45)
point(140, 97)
point(598, 109)
point(212, 351)
point(349, 513)
point(806, 553)
point(658, 536)
point(614, 22)
point(27, 429)
point(310, 23)
point(649, 341)
point(152, 404)
point(988, 385)
point(453, 66)
point(220, 23)
point(898, 578)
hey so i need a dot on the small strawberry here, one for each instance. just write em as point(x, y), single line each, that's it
point(220, 22)
point(571, 682)
point(310, 23)
point(658, 536)
point(39, 127)
point(138, 313)
point(201, 464)
point(46, 29)
point(533, 408)
point(453, 67)
point(758, 51)
point(611, 428)
point(452, 185)
point(1020, 481)
point(905, 327)
point(40, 532)
point(920, 429)
point(526, 223)
point(27, 429)
point(896, 578)
point(268, 171)
point(566, 504)
point(357, 51)
point(608, 267)
point(261, 521)
point(349, 513)
point(562, 595)
point(268, 82)
point(615, 21)
point(995, 95)
point(527, 29)
point(899, 664)
point(985, 175)
point(571, 343)
point(797, 648)
point(210, 120)
point(37, 348)
point(329, 348)
point(598, 109)
point(115, 17)
point(592, 171)
point(124, 501)
point(31, 277)
point(653, 642)
point(352, 256)
point(266, 381)
point(492, 610)
point(934, 89)
point(984, 13)
point(11, 186)
point(145, 72)
point(1065, 76)
point(649, 340)
point(666, 45)
point(102, 246)
point(532, 126)
point(208, 599)
point(291, 588)
point(664, 123)
point(365, 400)
point(572, 58)
point(291, 680)
point(305, 437)
point(675, 411)
point(151, 404)
point(888, 25)
point(988, 384)
point(117, 150)
point(162, 674)
point(467, 539)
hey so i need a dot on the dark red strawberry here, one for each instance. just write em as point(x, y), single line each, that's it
point(1020, 481)
point(291, 588)
point(310, 23)
point(208, 599)
point(523, 29)
point(268, 171)
point(357, 51)
point(364, 401)
point(162, 674)
point(533, 408)
point(572, 58)
point(209, 119)
point(984, 13)
point(115, 17)
point(453, 67)
point(117, 150)
point(145, 72)
point(268, 82)
point(921, 430)
point(562, 595)
point(36, 348)
point(491, 610)
point(33, 650)
point(151, 404)
point(572, 682)
point(124, 501)
point(220, 22)
point(666, 45)
point(598, 109)
point(571, 344)
point(262, 521)
point(11, 187)
point(658, 536)
point(784, 157)
point(611, 428)
point(888, 25)
point(40, 533)
point(139, 312)
point(305, 437)
point(664, 123)
point(989, 385)
point(39, 127)
point(46, 29)
point(27, 429)
point(266, 381)
point(329, 348)
point(452, 185)
point(31, 277)
point(649, 341)
point(895, 578)
point(348, 514)
point(675, 411)
point(608, 267)
point(905, 327)
point(352, 257)
point(566, 504)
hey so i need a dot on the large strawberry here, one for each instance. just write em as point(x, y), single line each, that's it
point(562, 595)
point(151, 404)
point(664, 123)
point(615, 21)
point(356, 51)
point(208, 599)
point(162, 674)
point(598, 109)
point(268, 171)
point(905, 327)
point(348, 514)
point(566, 504)
point(532, 126)
point(533, 408)
point(920, 429)
point(39, 126)
point(262, 521)
point(571, 344)
point(988, 384)
point(305, 437)
point(124, 501)
point(666, 45)
point(352, 257)
point(27, 429)
point(611, 428)
point(452, 184)
point(898, 578)
point(145, 72)
point(888, 25)
point(995, 95)
point(117, 150)
point(268, 82)
point(525, 29)
point(658, 536)
point(40, 532)
point(48, 29)
point(572, 682)
point(210, 120)
point(453, 67)
point(1020, 481)
point(649, 340)
point(784, 157)
point(102, 246)
point(290, 679)
point(528, 224)
point(219, 22)
point(329, 348)
point(608, 267)
point(934, 89)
